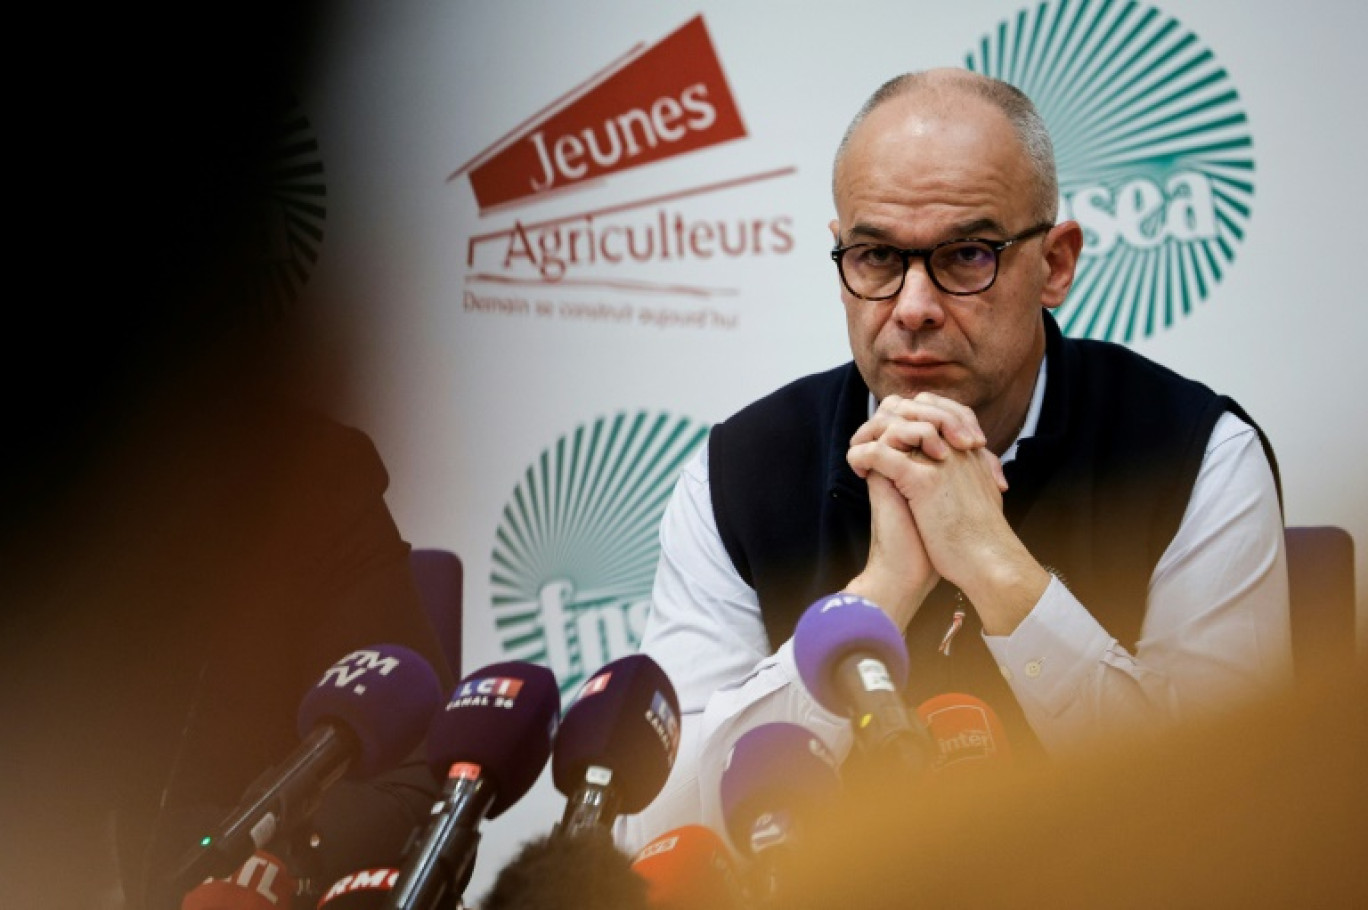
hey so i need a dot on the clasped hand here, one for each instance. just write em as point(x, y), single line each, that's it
point(935, 493)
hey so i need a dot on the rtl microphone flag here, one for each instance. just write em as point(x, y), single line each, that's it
point(967, 733)
point(616, 744)
point(262, 883)
point(689, 868)
point(853, 660)
point(367, 712)
point(489, 743)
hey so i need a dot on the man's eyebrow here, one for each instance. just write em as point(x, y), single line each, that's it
point(977, 228)
point(964, 230)
point(867, 233)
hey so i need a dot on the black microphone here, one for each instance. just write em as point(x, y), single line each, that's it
point(616, 745)
point(364, 889)
point(365, 825)
point(778, 781)
point(490, 743)
point(853, 661)
point(358, 840)
point(369, 710)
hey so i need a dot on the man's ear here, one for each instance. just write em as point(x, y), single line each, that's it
point(1063, 245)
point(835, 232)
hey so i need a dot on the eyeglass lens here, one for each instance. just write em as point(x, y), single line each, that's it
point(963, 267)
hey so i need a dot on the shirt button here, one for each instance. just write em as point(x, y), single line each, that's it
point(1033, 668)
point(1006, 673)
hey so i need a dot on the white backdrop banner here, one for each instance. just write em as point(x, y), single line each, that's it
point(567, 238)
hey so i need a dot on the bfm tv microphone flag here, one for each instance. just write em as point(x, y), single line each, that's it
point(665, 100)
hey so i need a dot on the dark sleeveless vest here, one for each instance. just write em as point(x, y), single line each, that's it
point(1096, 495)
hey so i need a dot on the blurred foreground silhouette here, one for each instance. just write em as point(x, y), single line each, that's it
point(1265, 808)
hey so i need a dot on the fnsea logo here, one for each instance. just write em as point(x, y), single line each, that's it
point(609, 244)
point(575, 552)
point(1154, 153)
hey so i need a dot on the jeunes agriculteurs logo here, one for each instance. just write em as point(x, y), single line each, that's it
point(575, 552)
point(1154, 153)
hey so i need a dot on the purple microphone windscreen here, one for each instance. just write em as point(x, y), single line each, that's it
point(777, 769)
point(625, 719)
point(385, 695)
point(836, 627)
point(500, 719)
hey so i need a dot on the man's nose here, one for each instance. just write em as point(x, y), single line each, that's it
point(918, 304)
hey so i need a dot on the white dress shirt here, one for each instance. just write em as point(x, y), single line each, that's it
point(1215, 634)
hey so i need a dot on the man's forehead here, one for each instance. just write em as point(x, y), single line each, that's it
point(927, 118)
point(964, 165)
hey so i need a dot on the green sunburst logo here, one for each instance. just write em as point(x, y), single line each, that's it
point(290, 214)
point(1154, 153)
point(575, 553)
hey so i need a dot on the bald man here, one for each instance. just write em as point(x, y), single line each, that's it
point(1080, 537)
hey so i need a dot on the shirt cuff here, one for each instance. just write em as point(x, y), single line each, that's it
point(1051, 652)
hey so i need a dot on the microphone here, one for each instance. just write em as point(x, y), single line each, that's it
point(689, 868)
point(490, 743)
point(853, 661)
point(778, 780)
point(359, 827)
point(616, 744)
point(365, 889)
point(967, 733)
point(367, 712)
point(262, 883)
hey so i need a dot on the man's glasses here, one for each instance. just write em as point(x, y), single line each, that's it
point(876, 271)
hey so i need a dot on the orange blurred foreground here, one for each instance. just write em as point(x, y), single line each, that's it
point(1267, 808)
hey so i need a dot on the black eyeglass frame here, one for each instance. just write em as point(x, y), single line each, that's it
point(997, 246)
